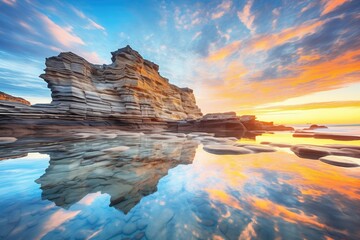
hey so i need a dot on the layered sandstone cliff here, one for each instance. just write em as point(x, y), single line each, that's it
point(130, 86)
point(127, 91)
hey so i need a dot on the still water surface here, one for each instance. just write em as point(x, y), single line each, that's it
point(172, 189)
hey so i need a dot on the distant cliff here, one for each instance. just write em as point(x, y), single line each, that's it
point(9, 98)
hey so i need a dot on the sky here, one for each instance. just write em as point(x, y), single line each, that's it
point(285, 61)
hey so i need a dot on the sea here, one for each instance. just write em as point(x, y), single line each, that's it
point(167, 186)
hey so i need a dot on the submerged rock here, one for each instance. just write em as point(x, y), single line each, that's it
point(341, 161)
point(226, 149)
point(316, 152)
point(259, 148)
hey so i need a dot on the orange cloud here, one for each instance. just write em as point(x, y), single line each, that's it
point(62, 35)
point(272, 209)
point(224, 52)
point(223, 197)
point(308, 78)
point(308, 106)
point(331, 5)
point(268, 41)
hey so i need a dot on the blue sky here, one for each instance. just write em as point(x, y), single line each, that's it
point(230, 52)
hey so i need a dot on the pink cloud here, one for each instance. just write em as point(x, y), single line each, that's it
point(63, 35)
point(9, 2)
point(246, 17)
point(221, 9)
point(92, 23)
point(92, 57)
point(217, 15)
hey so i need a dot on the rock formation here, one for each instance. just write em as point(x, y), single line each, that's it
point(227, 122)
point(10, 98)
point(128, 91)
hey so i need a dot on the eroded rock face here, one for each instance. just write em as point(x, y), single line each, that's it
point(10, 98)
point(129, 87)
point(128, 91)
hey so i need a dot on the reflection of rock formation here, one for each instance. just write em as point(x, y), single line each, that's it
point(87, 167)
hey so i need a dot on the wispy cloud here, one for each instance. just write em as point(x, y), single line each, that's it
point(92, 24)
point(246, 17)
point(268, 41)
point(186, 18)
point(224, 52)
point(331, 5)
point(310, 106)
point(221, 9)
point(196, 35)
point(62, 35)
point(96, 25)
point(9, 2)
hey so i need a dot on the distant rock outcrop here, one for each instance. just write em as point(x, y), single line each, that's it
point(228, 121)
point(315, 126)
point(128, 91)
point(10, 98)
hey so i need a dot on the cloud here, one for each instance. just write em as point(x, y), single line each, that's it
point(92, 23)
point(221, 9)
point(310, 106)
point(27, 26)
point(217, 15)
point(78, 12)
point(276, 15)
point(266, 41)
point(224, 52)
point(9, 2)
point(267, 207)
point(186, 18)
point(331, 5)
point(92, 57)
point(209, 36)
point(96, 25)
point(62, 35)
point(197, 34)
point(246, 17)
point(236, 91)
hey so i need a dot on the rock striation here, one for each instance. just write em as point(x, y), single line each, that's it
point(130, 90)
point(130, 86)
